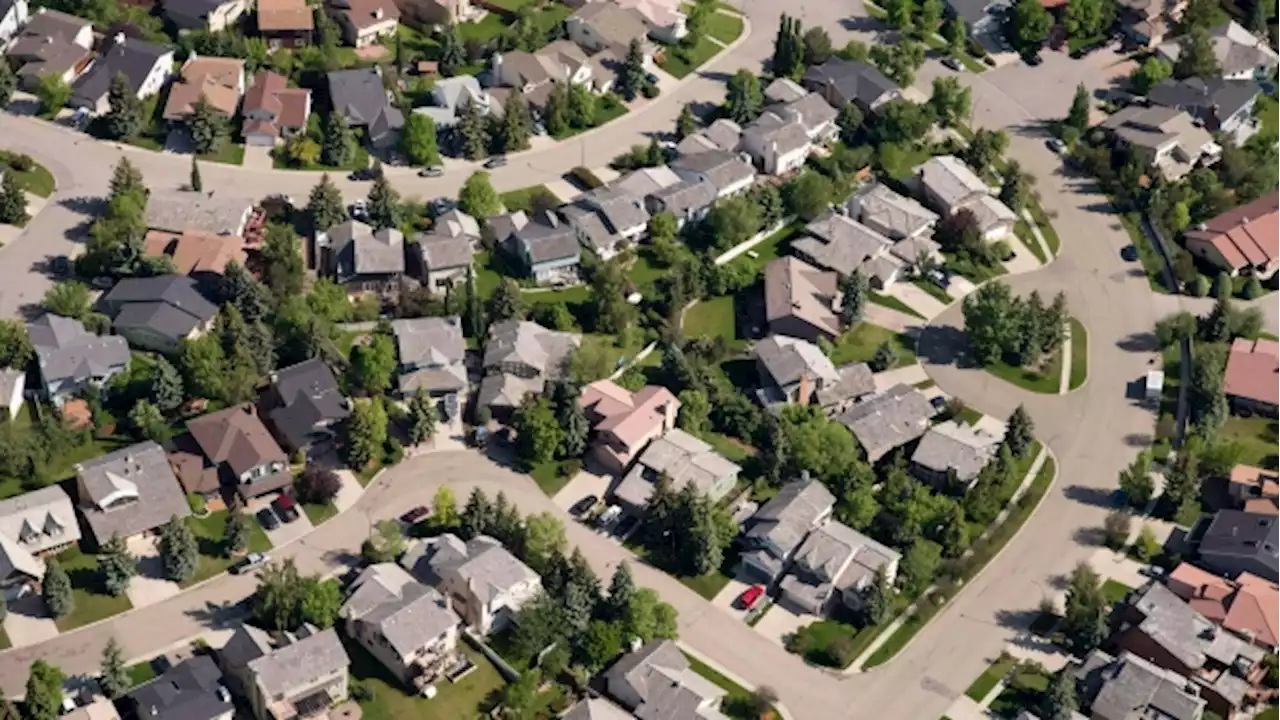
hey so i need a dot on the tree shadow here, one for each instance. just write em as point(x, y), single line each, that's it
point(85, 205)
point(1138, 440)
point(1090, 537)
point(862, 24)
point(945, 345)
point(1097, 497)
point(218, 616)
point(1139, 342)
point(1016, 619)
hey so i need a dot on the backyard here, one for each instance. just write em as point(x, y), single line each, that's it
point(1257, 435)
point(387, 700)
point(714, 317)
point(209, 531)
point(92, 602)
point(860, 345)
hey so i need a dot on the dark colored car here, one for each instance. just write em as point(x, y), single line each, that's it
point(938, 403)
point(61, 266)
point(584, 505)
point(1129, 253)
point(496, 161)
point(952, 63)
point(286, 507)
point(414, 515)
point(364, 174)
point(627, 524)
point(267, 519)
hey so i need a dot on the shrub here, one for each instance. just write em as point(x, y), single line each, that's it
point(650, 91)
point(585, 177)
point(21, 162)
point(975, 48)
point(1252, 288)
point(316, 486)
point(1198, 287)
point(392, 451)
point(197, 503)
point(569, 468)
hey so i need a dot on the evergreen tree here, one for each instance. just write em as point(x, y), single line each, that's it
point(1078, 115)
point(582, 107)
point(56, 590)
point(572, 420)
point(1020, 432)
point(1136, 482)
point(324, 205)
point(477, 515)
point(850, 122)
point(555, 112)
point(1196, 56)
point(13, 201)
point(452, 52)
point(622, 590)
point(206, 125)
point(127, 180)
point(877, 599)
point(744, 98)
point(116, 565)
point(788, 48)
point(235, 536)
point(418, 142)
point(8, 84)
point(197, 185)
point(366, 432)
point(337, 144)
point(114, 678)
point(474, 315)
point(885, 357)
point(686, 123)
point(385, 208)
point(124, 118)
point(422, 418)
point(178, 550)
point(44, 692)
point(1259, 22)
point(473, 132)
point(632, 77)
point(1084, 619)
point(1060, 701)
point(853, 298)
point(506, 303)
point(517, 124)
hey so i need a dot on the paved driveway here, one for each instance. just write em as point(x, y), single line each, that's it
point(257, 157)
point(286, 532)
point(149, 586)
point(583, 484)
point(917, 299)
point(350, 492)
point(28, 623)
point(727, 598)
point(780, 623)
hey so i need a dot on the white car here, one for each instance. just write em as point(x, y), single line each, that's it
point(1057, 146)
point(251, 561)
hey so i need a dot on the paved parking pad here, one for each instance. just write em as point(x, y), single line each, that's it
point(780, 623)
point(349, 493)
point(287, 532)
point(583, 484)
point(27, 623)
point(727, 598)
point(149, 586)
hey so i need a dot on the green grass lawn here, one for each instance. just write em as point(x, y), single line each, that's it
point(1152, 263)
point(527, 198)
point(208, 531)
point(141, 673)
point(893, 303)
point(92, 602)
point(708, 585)
point(358, 161)
point(1046, 379)
point(483, 31)
point(969, 416)
point(900, 164)
point(725, 28)
point(1079, 354)
point(1028, 238)
point(832, 643)
point(1256, 434)
point(318, 513)
point(1046, 227)
point(711, 318)
point(1024, 690)
point(679, 62)
point(390, 700)
point(607, 109)
point(37, 181)
point(1114, 591)
point(1270, 713)
point(645, 270)
point(939, 44)
point(737, 701)
point(934, 291)
point(5, 643)
point(732, 448)
point(860, 343)
point(549, 477)
point(228, 153)
point(987, 680)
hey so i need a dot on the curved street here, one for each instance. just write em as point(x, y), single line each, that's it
point(1093, 432)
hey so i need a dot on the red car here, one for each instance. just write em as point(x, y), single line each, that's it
point(414, 515)
point(285, 507)
point(750, 597)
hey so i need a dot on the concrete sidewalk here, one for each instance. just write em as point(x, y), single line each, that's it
point(891, 319)
point(1064, 379)
point(916, 299)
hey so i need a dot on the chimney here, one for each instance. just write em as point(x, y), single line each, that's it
point(377, 13)
point(805, 390)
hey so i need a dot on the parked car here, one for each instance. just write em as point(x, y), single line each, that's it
point(939, 403)
point(267, 519)
point(496, 161)
point(61, 266)
point(1057, 146)
point(415, 515)
point(1129, 253)
point(434, 171)
point(609, 516)
point(359, 209)
point(953, 63)
point(751, 597)
point(250, 562)
point(584, 505)
point(940, 278)
point(626, 526)
point(286, 507)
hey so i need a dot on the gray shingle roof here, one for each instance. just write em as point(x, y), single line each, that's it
point(596, 709)
point(852, 81)
point(856, 380)
point(787, 359)
point(168, 305)
point(131, 57)
point(66, 351)
point(129, 491)
point(952, 446)
point(547, 238)
point(615, 24)
point(685, 197)
point(1211, 101)
point(1130, 687)
point(1240, 534)
point(889, 419)
point(947, 177)
point(406, 613)
point(668, 688)
point(528, 343)
point(218, 214)
point(359, 95)
point(450, 243)
point(895, 214)
point(788, 517)
point(722, 169)
point(839, 243)
point(358, 250)
point(784, 90)
point(186, 691)
point(487, 567)
point(309, 395)
point(684, 458)
point(296, 666)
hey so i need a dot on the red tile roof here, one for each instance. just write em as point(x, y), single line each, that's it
point(1249, 605)
point(1253, 371)
point(1248, 235)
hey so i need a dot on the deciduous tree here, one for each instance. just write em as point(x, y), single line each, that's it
point(44, 692)
point(1085, 617)
point(1196, 57)
point(366, 432)
point(477, 197)
point(1028, 26)
point(418, 140)
point(538, 433)
point(817, 46)
point(373, 363)
point(69, 298)
point(951, 101)
point(808, 195)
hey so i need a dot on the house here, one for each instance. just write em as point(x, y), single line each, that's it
point(486, 583)
point(727, 172)
point(199, 255)
point(722, 134)
point(835, 564)
point(285, 23)
point(71, 359)
point(33, 525)
point(1253, 489)
point(559, 61)
point(358, 95)
point(799, 298)
point(843, 245)
point(888, 420)
point(777, 144)
point(624, 422)
point(432, 355)
point(667, 21)
point(364, 22)
point(190, 690)
point(950, 186)
point(1146, 22)
point(13, 15)
point(784, 90)
point(646, 181)
point(1244, 240)
point(687, 200)
point(240, 449)
point(1167, 139)
point(951, 454)
point(450, 95)
point(545, 245)
point(1158, 626)
point(600, 26)
point(100, 709)
point(1250, 382)
point(1130, 687)
point(273, 111)
point(220, 81)
point(773, 534)
point(894, 216)
point(841, 81)
point(304, 405)
point(657, 681)
point(590, 708)
point(982, 17)
point(1241, 55)
point(128, 492)
point(363, 259)
point(439, 12)
point(1220, 106)
point(1237, 541)
point(145, 67)
point(158, 313)
point(51, 42)
point(684, 459)
point(856, 381)
point(519, 358)
point(13, 383)
point(447, 250)
point(1248, 606)
point(792, 371)
point(177, 212)
point(606, 219)
point(409, 627)
point(813, 112)
point(211, 15)
point(301, 678)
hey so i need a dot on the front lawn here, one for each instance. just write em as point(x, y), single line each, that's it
point(934, 291)
point(37, 180)
point(988, 679)
point(1115, 591)
point(860, 344)
point(1046, 227)
point(724, 27)
point(530, 198)
point(92, 601)
point(711, 318)
point(831, 643)
point(228, 153)
point(1256, 434)
point(680, 61)
point(141, 673)
point(608, 107)
point(1024, 690)
point(319, 513)
point(490, 27)
point(1079, 355)
point(708, 586)
point(1046, 378)
point(359, 161)
point(553, 476)
point(388, 699)
point(1023, 231)
point(737, 703)
point(893, 303)
point(209, 531)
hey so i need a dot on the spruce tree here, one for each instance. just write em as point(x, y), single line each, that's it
point(385, 208)
point(56, 589)
point(178, 550)
point(686, 123)
point(473, 132)
point(8, 84)
point(13, 201)
point(517, 124)
point(632, 78)
point(124, 119)
point(114, 680)
point(117, 566)
point(337, 146)
point(324, 206)
point(1020, 431)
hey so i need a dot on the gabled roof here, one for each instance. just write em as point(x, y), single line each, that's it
point(723, 169)
point(284, 16)
point(194, 251)
point(952, 446)
point(628, 416)
point(547, 238)
point(200, 9)
point(406, 613)
point(66, 351)
point(1248, 235)
point(1236, 49)
point(787, 518)
point(218, 80)
point(237, 437)
point(682, 457)
point(269, 94)
point(129, 491)
point(130, 57)
point(794, 288)
point(1240, 535)
point(46, 44)
point(852, 81)
point(359, 95)
point(1248, 605)
point(290, 669)
point(837, 242)
point(168, 305)
point(667, 686)
point(789, 359)
point(361, 14)
point(358, 250)
point(784, 90)
point(310, 395)
point(1210, 101)
point(1186, 635)
point(617, 25)
point(947, 177)
point(686, 197)
point(1253, 371)
point(32, 523)
point(900, 215)
point(1130, 687)
point(220, 214)
point(888, 420)
point(596, 709)
point(190, 690)
point(482, 563)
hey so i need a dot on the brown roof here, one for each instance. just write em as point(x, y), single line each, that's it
point(1250, 480)
point(196, 252)
point(364, 13)
point(237, 437)
point(193, 470)
point(77, 413)
point(269, 93)
point(1253, 371)
point(1246, 236)
point(794, 288)
point(219, 80)
point(1248, 605)
point(276, 15)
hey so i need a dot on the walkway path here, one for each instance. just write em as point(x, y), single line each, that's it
point(1064, 380)
point(916, 298)
point(894, 320)
point(1035, 230)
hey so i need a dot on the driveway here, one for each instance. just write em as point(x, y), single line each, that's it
point(1114, 566)
point(916, 299)
point(583, 484)
point(257, 157)
point(727, 598)
point(1023, 260)
point(28, 623)
point(780, 623)
point(149, 586)
point(286, 532)
point(349, 493)
point(907, 375)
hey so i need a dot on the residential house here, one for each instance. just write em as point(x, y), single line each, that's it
point(657, 681)
point(13, 15)
point(843, 245)
point(687, 200)
point(439, 12)
point(1245, 240)
point(304, 405)
point(856, 382)
point(727, 172)
point(363, 259)
point(301, 678)
point(1130, 687)
point(447, 250)
point(219, 81)
point(606, 220)
point(520, 357)
point(841, 81)
point(590, 708)
point(1252, 379)
point(364, 22)
point(1147, 22)
point(667, 21)
point(683, 458)
point(432, 355)
point(773, 534)
point(1167, 139)
point(601, 26)
point(128, 492)
point(158, 313)
point(813, 112)
point(778, 144)
point(358, 95)
point(177, 212)
point(450, 95)
point(33, 525)
point(273, 111)
point(73, 360)
point(13, 383)
point(1248, 606)
point(646, 181)
point(894, 216)
point(722, 134)
point(784, 90)
point(1241, 55)
point(486, 583)
point(1160, 627)
point(799, 300)
point(145, 67)
point(950, 186)
point(190, 690)
point(199, 255)
point(559, 61)
point(285, 23)
point(624, 422)
point(409, 627)
point(50, 43)
point(239, 448)
point(982, 17)
point(211, 15)
point(888, 420)
point(545, 245)
point(1253, 489)
point(1237, 541)
point(951, 454)
point(792, 372)
point(835, 565)
point(1220, 106)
